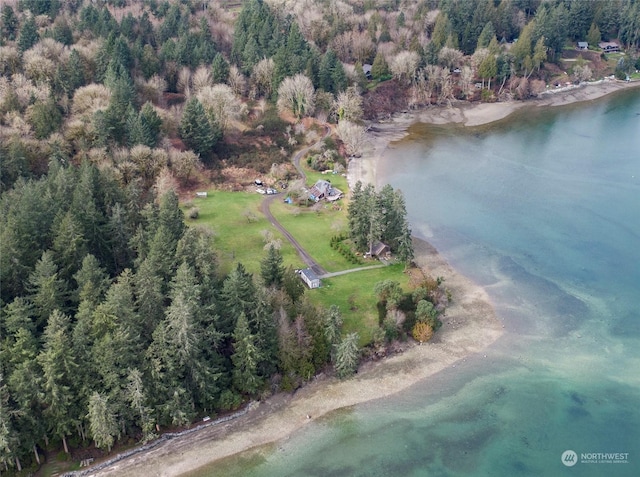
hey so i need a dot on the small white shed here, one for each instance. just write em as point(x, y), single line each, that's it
point(310, 278)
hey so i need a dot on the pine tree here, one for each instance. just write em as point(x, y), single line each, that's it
point(219, 69)
point(271, 268)
point(59, 378)
point(8, 436)
point(245, 358)
point(346, 356)
point(102, 421)
point(196, 131)
point(47, 291)
point(238, 296)
point(28, 34)
point(9, 23)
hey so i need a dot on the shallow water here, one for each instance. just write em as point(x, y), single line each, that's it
point(543, 210)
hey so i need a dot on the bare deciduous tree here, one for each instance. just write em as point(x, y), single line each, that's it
point(297, 96)
point(201, 78)
point(450, 57)
point(184, 81)
point(89, 99)
point(445, 86)
point(582, 73)
point(262, 77)
point(9, 60)
point(353, 136)
point(165, 182)
point(466, 78)
point(353, 46)
point(348, 105)
point(236, 80)
point(404, 65)
point(221, 104)
point(26, 91)
point(184, 163)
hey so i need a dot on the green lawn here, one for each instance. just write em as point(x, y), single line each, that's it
point(313, 230)
point(353, 293)
point(236, 238)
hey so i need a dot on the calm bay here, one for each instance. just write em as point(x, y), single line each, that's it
point(541, 209)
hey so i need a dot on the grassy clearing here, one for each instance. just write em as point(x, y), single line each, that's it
point(353, 293)
point(238, 226)
point(314, 229)
point(237, 223)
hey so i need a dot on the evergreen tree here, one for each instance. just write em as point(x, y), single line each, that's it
point(136, 395)
point(346, 356)
point(69, 246)
point(19, 355)
point(245, 358)
point(219, 69)
point(102, 421)
point(196, 131)
point(47, 291)
point(117, 332)
point(263, 327)
point(59, 378)
point(379, 68)
point(28, 34)
point(149, 298)
point(9, 23)
point(8, 440)
point(292, 284)
point(486, 35)
point(325, 72)
point(271, 268)
point(238, 296)
point(332, 324)
point(594, 37)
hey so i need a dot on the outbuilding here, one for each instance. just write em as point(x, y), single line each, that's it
point(310, 278)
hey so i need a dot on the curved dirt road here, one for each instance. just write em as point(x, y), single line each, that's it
point(265, 207)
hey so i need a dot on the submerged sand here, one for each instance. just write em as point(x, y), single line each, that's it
point(470, 325)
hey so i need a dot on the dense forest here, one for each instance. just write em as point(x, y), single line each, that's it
point(115, 321)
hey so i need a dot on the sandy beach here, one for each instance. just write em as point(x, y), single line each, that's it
point(470, 325)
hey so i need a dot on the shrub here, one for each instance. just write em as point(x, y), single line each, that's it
point(422, 332)
point(229, 400)
point(390, 328)
point(193, 213)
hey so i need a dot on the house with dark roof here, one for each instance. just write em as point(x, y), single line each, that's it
point(324, 190)
point(609, 46)
point(379, 250)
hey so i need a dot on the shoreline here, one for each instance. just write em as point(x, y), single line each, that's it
point(469, 326)
point(381, 134)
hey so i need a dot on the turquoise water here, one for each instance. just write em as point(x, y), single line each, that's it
point(543, 210)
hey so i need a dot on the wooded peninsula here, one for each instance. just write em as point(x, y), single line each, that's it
point(143, 142)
